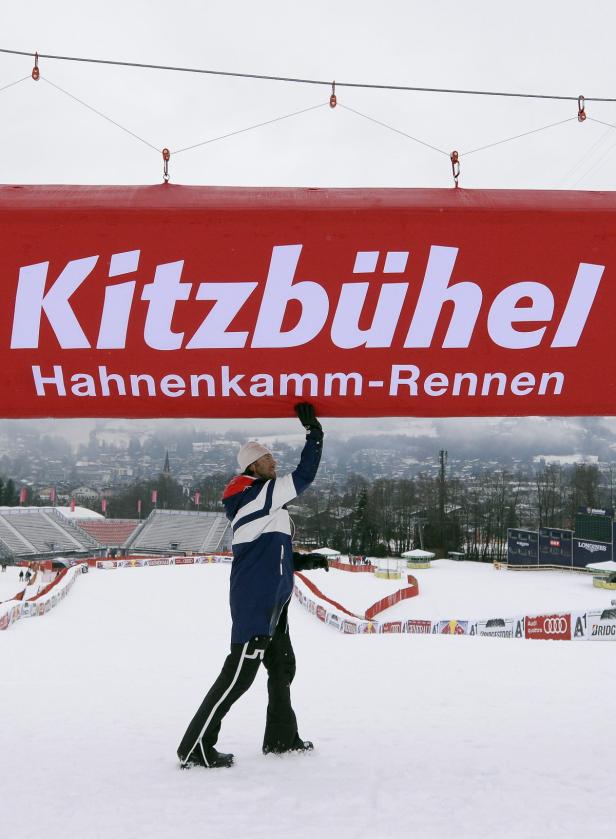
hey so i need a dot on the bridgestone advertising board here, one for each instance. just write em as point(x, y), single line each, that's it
point(602, 625)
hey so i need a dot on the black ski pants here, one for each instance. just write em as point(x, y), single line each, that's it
point(237, 675)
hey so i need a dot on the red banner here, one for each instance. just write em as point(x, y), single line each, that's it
point(227, 302)
point(549, 627)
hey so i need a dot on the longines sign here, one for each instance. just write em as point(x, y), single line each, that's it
point(228, 302)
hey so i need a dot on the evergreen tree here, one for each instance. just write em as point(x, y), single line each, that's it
point(10, 495)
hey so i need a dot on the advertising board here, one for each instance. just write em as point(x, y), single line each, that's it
point(176, 301)
point(522, 547)
point(555, 546)
point(602, 625)
point(586, 551)
point(496, 627)
point(418, 627)
point(549, 627)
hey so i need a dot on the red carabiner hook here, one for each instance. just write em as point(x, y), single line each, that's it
point(166, 158)
point(581, 109)
point(455, 166)
point(332, 99)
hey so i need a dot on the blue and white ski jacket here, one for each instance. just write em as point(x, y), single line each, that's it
point(262, 569)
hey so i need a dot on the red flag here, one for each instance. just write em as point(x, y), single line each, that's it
point(154, 496)
point(104, 505)
point(72, 505)
point(22, 495)
point(52, 495)
point(197, 498)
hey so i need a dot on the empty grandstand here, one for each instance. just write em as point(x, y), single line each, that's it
point(172, 531)
point(109, 533)
point(40, 531)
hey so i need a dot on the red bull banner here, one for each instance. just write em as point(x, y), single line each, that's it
point(238, 302)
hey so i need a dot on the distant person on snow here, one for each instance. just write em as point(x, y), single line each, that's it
point(260, 590)
point(21, 576)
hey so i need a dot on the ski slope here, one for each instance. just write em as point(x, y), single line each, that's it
point(422, 736)
point(10, 583)
point(470, 590)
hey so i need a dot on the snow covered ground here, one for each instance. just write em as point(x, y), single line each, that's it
point(422, 736)
point(464, 590)
point(9, 582)
point(10, 585)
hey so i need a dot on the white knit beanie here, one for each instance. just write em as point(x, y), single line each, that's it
point(250, 452)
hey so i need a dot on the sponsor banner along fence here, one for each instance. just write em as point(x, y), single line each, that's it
point(412, 590)
point(549, 627)
point(590, 625)
point(143, 562)
point(174, 301)
point(12, 610)
point(593, 625)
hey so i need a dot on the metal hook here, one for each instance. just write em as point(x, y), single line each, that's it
point(455, 166)
point(166, 158)
point(35, 70)
point(332, 99)
point(581, 109)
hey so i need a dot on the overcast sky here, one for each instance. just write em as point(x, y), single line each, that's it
point(563, 48)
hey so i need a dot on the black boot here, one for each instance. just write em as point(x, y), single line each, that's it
point(298, 745)
point(206, 756)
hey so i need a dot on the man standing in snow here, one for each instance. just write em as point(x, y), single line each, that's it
point(261, 587)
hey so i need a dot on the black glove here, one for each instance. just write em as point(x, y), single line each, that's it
point(308, 562)
point(307, 417)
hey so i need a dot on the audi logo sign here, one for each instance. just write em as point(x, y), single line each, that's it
point(549, 627)
point(555, 626)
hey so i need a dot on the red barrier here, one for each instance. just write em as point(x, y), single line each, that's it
point(379, 606)
point(315, 590)
point(49, 586)
point(393, 599)
point(355, 569)
point(20, 594)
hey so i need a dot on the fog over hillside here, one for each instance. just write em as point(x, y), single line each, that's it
point(498, 438)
